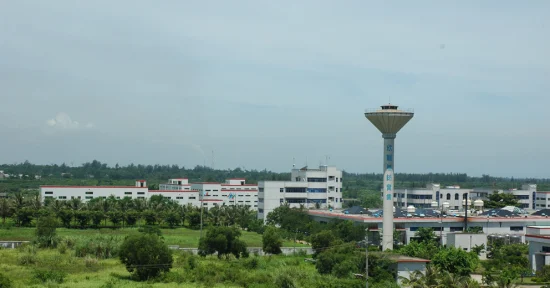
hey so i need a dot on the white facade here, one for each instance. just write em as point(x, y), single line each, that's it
point(232, 192)
point(308, 187)
point(539, 246)
point(542, 201)
point(423, 197)
point(86, 193)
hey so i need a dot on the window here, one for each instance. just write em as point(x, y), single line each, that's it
point(89, 193)
point(204, 204)
point(179, 197)
point(62, 197)
point(456, 196)
point(261, 200)
point(140, 193)
point(255, 205)
point(448, 196)
point(295, 190)
point(516, 228)
point(340, 179)
point(127, 193)
point(261, 189)
point(207, 190)
point(316, 190)
point(262, 211)
point(316, 179)
point(141, 197)
point(336, 189)
point(456, 229)
point(192, 197)
point(282, 190)
point(336, 179)
point(215, 190)
point(48, 192)
point(166, 197)
point(89, 197)
point(215, 195)
point(48, 197)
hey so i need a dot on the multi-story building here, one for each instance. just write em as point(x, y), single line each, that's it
point(313, 188)
point(232, 192)
point(453, 195)
point(86, 193)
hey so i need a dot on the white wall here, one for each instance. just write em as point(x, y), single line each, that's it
point(85, 193)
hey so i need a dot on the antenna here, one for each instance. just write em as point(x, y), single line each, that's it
point(327, 157)
point(212, 159)
point(293, 162)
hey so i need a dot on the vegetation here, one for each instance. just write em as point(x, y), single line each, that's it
point(507, 263)
point(499, 200)
point(145, 255)
point(358, 186)
point(272, 241)
point(223, 241)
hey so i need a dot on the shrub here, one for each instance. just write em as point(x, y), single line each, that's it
point(28, 256)
point(45, 232)
point(5, 282)
point(284, 281)
point(145, 255)
point(90, 262)
point(56, 276)
point(272, 241)
point(102, 247)
point(62, 248)
point(252, 263)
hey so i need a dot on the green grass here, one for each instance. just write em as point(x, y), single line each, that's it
point(183, 237)
point(253, 272)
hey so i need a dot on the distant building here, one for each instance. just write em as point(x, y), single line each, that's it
point(309, 187)
point(539, 246)
point(453, 195)
point(232, 192)
point(2, 175)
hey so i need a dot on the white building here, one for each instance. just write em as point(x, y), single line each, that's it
point(86, 193)
point(423, 197)
point(309, 187)
point(232, 192)
point(539, 246)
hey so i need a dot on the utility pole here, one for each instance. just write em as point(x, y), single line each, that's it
point(202, 196)
point(367, 258)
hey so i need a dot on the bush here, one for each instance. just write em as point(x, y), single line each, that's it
point(272, 241)
point(102, 247)
point(62, 248)
point(28, 256)
point(5, 282)
point(45, 232)
point(284, 281)
point(145, 255)
point(90, 262)
point(56, 276)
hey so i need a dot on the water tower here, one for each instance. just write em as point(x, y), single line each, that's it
point(389, 120)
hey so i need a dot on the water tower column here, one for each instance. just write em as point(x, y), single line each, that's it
point(389, 148)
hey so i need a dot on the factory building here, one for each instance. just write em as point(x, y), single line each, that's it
point(453, 195)
point(232, 192)
point(450, 230)
point(312, 188)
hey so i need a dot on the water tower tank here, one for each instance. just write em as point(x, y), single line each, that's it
point(478, 203)
point(411, 209)
point(469, 202)
point(515, 239)
point(446, 205)
point(434, 204)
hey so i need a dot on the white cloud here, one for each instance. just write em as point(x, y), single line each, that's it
point(63, 120)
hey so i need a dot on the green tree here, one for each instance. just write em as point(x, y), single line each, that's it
point(150, 217)
point(145, 255)
point(45, 232)
point(322, 240)
point(65, 216)
point(97, 217)
point(131, 218)
point(172, 219)
point(23, 216)
point(223, 240)
point(5, 282)
point(115, 217)
point(5, 209)
point(271, 240)
point(82, 218)
point(456, 261)
point(499, 200)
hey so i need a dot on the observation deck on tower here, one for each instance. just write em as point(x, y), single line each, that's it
point(389, 119)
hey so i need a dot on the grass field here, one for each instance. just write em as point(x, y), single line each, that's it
point(184, 237)
point(188, 271)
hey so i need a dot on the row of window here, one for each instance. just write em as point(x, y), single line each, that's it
point(304, 190)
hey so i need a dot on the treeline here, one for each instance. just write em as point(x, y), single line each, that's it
point(98, 173)
point(125, 212)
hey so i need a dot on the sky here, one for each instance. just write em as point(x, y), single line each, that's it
point(265, 84)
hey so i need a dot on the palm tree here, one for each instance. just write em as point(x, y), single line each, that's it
point(75, 204)
point(5, 209)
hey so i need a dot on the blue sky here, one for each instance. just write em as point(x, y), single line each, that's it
point(263, 82)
